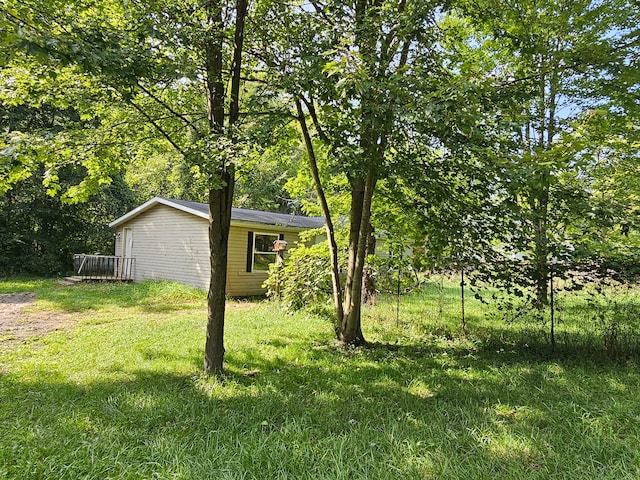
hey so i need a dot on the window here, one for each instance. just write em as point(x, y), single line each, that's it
point(260, 252)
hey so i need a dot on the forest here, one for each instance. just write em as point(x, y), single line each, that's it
point(498, 138)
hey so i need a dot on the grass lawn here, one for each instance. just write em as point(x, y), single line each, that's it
point(118, 394)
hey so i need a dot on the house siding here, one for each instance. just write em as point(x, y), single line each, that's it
point(239, 281)
point(169, 244)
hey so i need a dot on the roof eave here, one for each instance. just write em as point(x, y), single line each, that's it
point(246, 223)
point(151, 203)
point(164, 201)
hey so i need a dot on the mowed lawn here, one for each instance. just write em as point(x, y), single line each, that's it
point(117, 393)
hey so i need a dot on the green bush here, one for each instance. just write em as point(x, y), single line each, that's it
point(303, 279)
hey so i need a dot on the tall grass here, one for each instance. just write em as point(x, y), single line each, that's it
point(595, 320)
point(120, 395)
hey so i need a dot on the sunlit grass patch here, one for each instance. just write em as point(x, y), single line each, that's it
point(122, 395)
point(150, 296)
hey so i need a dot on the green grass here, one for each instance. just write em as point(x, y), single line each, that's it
point(23, 284)
point(597, 320)
point(120, 395)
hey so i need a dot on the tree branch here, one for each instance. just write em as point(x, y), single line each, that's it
point(165, 106)
point(314, 117)
point(320, 12)
point(156, 126)
point(236, 65)
point(333, 247)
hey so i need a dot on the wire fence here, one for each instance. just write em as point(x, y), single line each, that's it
point(596, 312)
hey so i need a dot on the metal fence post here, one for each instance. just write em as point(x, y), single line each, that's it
point(553, 337)
point(464, 326)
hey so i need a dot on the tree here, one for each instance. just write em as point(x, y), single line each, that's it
point(221, 192)
point(553, 57)
point(171, 69)
point(546, 88)
point(262, 184)
point(351, 68)
point(39, 233)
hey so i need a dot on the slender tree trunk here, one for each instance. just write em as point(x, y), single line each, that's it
point(331, 237)
point(362, 189)
point(374, 129)
point(369, 280)
point(220, 195)
point(379, 49)
point(213, 66)
point(348, 307)
point(220, 200)
point(218, 229)
point(236, 65)
point(541, 212)
point(541, 249)
point(350, 325)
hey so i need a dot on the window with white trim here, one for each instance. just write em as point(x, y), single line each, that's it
point(262, 253)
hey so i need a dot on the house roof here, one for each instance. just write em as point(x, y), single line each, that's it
point(238, 215)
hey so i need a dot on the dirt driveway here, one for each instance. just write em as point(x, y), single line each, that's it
point(17, 325)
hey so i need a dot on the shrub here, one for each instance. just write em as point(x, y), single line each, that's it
point(303, 279)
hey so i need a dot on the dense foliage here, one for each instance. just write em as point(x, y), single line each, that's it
point(303, 280)
point(500, 137)
point(39, 232)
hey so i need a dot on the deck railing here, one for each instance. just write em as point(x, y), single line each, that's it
point(104, 267)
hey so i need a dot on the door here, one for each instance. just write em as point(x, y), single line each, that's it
point(127, 250)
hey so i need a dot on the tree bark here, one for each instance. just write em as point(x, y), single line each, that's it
point(331, 237)
point(236, 65)
point(220, 195)
point(369, 280)
point(362, 189)
point(213, 66)
point(220, 200)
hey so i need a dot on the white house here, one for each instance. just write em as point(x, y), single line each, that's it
point(169, 240)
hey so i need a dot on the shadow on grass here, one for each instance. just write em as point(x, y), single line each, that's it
point(530, 341)
point(476, 406)
point(414, 411)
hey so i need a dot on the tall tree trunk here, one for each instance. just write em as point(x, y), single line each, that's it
point(362, 189)
point(541, 245)
point(546, 134)
point(220, 195)
point(379, 49)
point(213, 66)
point(218, 227)
point(236, 64)
point(220, 200)
point(374, 129)
point(331, 237)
